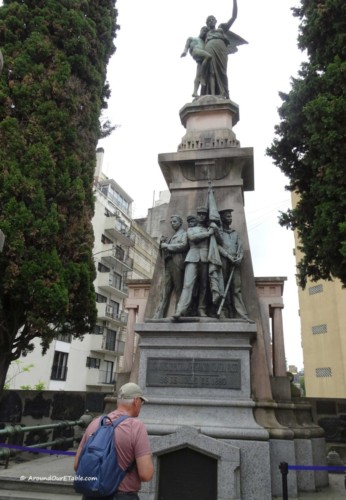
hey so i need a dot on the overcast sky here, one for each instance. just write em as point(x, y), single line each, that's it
point(150, 83)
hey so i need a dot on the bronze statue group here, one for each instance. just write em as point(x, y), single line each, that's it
point(202, 266)
point(210, 50)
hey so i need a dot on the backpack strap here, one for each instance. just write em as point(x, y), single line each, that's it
point(118, 421)
point(115, 423)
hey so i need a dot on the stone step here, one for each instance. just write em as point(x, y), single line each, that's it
point(47, 477)
point(20, 495)
point(15, 488)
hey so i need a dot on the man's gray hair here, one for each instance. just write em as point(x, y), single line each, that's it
point(125, 402)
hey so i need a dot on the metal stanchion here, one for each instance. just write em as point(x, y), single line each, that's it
point(284, 471)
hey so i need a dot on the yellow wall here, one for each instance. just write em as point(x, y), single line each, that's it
point(323, 331)
point(323, 323)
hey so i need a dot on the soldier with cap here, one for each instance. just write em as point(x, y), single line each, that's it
point(131, 442)
point(196, 264)
point(231, 251)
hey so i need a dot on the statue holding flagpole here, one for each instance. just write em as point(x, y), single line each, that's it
point(196, 266)
point(203, 286)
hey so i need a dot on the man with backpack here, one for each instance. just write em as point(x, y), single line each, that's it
point(132, 451)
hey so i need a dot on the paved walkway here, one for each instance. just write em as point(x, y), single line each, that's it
point(57, 471)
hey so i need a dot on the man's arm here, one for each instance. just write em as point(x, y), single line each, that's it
point(76, 459)
point(180, 246)
point(145, 467)
point(240, 250)
point(223, 252)
point(193, 236)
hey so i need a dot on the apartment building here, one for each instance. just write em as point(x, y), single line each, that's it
point(122, 251)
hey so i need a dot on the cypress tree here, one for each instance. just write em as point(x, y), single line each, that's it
point(52, 91)
point(310, 146)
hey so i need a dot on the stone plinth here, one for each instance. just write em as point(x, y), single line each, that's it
point(196, 375)
point(208, 122)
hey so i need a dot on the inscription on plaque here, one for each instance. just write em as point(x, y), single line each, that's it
point(194, 372)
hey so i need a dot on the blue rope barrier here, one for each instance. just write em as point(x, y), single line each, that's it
point(37, 450)
point(284, 468)
point(317, 467)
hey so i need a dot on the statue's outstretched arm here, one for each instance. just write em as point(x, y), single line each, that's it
point(229, 23)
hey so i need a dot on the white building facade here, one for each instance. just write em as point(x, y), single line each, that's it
point(92, 363)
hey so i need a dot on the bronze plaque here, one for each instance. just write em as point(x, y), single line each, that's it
point(187, 475)
point(194, 372)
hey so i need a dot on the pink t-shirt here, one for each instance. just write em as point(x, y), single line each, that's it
point(131, 441)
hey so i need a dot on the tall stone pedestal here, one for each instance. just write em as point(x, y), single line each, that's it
point(196, 375)
point(220, 416)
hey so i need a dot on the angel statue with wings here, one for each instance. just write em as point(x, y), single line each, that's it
point(219, 43)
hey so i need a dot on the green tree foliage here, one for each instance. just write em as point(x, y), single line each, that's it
point(310, 146)
point(52, 90)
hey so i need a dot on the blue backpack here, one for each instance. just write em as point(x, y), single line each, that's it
point(98, 473)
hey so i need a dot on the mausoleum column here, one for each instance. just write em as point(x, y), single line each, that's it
point(130, 338)
point(279, 359)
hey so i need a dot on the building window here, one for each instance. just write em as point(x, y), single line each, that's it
point(107, 374)
point(93, 362)
point(117, 280)
point(98, 330)
point(115, 306)
point(102, 268)
point(122, 227)
point(106, 240)
point(323, 372)
point(59, 368)
point(319, 329)
point(111, 336)
point(315, 289)
point(119, 253)
point(112, 309)
point(115, 197)
point(100, 298)
point(64, 337)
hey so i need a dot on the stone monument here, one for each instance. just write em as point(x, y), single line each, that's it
point(220, 413)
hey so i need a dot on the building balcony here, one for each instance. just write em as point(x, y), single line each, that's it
point(106, 312)
point(106, 344)
point(110, 284)
point(112, 258)
point(99, 378)
point(117, 231)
